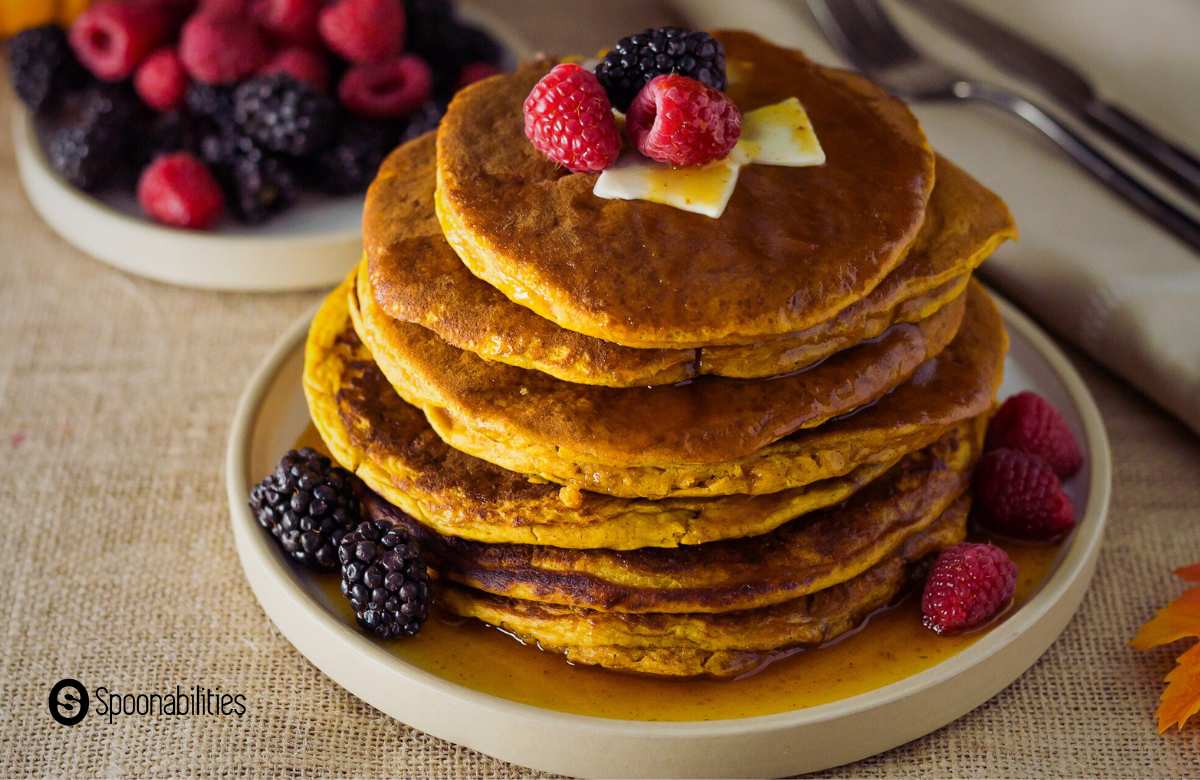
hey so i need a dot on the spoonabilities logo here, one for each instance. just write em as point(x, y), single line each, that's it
point(68, 702)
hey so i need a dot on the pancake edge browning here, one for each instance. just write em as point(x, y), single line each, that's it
point(521, 419)
point(417, 278)
point(704, 644)
point(814, 552)
point(424, 476)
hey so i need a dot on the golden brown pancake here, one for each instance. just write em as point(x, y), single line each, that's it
point(809, 554)
point(512, 413)
point(418, 278)
point(721, 645)
point(388, 443)
point(794, 246)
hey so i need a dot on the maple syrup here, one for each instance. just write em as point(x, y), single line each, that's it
point(892, 645)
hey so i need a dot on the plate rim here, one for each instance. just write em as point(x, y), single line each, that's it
point(1079, 558)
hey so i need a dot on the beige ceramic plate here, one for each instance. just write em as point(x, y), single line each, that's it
point(272, 414)
point(311, 245)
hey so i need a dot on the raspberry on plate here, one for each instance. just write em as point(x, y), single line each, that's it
point(364, 31)
point(112, 38)
point(1029, 423)
point(569, 119)
point(679, 121)
point(179, 190)
point(302, 64)
point(968, 585)
point(161, 81)
point(294, 21)
point(1019, 495)
point(383, 90)
point(219, 49)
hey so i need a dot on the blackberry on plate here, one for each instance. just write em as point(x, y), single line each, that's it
point(350, 164)
point(385, 579)
point(115, 105)
point(210, 101)
point(173, 131)
point(257, 184)
point(285, 115)
point(86, 155)
point(447, 45)
point(308, 505)
point(636, 59)
point(42, 66)
point(424, 119)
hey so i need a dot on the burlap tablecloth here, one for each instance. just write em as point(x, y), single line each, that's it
point(119, 569)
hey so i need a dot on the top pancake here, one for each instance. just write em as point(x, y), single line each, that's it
point(418, 278)
point(794, 246)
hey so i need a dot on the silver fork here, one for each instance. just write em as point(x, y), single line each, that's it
point(866, 35)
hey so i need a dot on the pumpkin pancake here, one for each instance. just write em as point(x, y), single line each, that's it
point(418, 278)
point(793, 247)
point(371, 431)
point(806, 555)
point(513, 413)
point(721, 645)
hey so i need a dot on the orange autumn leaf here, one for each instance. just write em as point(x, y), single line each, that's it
point(1181, 699)
point(1178, 620)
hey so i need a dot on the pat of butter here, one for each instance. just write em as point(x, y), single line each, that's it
point(703, 190)
point(779, 134)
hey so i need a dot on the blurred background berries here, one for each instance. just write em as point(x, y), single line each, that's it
point(270, 98)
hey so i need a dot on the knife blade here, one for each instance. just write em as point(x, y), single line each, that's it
point(1033, 63)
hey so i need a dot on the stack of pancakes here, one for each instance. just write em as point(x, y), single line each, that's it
point(652, 440)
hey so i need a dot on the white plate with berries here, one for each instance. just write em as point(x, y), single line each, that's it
point(228, 147)
point(307, 608)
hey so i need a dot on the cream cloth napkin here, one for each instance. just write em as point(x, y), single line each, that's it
point(1087, 266)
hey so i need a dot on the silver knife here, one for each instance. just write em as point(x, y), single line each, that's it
point(1026, 60)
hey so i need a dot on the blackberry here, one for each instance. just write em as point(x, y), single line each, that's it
point(115, 105)
point(42, 66)
point(424, 119)
point(636, 59)
point(257, 184)
point(285, 115)
point(308, 505)
point(447, 45)
point(210, 101)
point(86, 155)
point(351, 163)
point(385, 579)
point(169, 132)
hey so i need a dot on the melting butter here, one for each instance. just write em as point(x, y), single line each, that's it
point(779, 134)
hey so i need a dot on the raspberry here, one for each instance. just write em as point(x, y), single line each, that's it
point(475, 71)
point(112, 38)
point(219, 49)
point(363, 31)
point(679, 121)
point(386, 89)
point(294, 21)
point(568, 118)
point(179, 190)
point(224, 7)
point(1027, 422)
point(967, 586)
point(161, 81)
point(636, 59)
point(1020, 495)
point(304, 65)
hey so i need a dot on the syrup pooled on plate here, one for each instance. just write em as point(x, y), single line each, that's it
point(890, 647)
